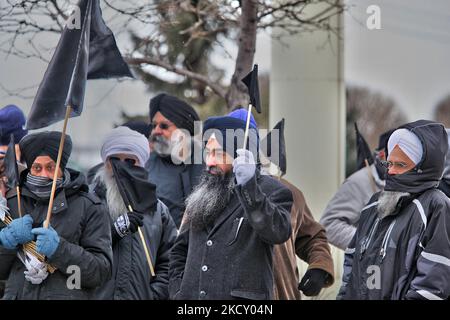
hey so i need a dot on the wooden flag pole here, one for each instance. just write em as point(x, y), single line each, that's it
point(146, 249)
point(247, 125)
point(58, 163)
point(19, 202)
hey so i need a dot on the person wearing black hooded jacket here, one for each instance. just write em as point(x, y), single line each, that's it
point(401, 248)
point(77, 242)
point(122, 180)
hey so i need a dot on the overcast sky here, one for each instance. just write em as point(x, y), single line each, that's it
point(407, 59)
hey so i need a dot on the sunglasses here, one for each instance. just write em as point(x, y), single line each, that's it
point(126, 160)
point(162, 126)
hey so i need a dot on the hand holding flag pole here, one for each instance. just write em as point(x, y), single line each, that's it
point(127, 201)
point(12, 174)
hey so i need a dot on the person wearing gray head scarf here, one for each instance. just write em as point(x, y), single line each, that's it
point(124, 153)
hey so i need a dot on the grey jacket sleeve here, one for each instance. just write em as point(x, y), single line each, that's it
point(177, 261)
point(343, 211)
point(432, 279)
point(93, 253)
point(159, 285)
point(269, 215)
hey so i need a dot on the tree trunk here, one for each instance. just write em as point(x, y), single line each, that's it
point(237, 93)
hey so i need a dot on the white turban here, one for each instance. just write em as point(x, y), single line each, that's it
point(127, 141)
point(408, 142)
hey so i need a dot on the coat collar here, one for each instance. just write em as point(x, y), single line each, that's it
point(59, 203)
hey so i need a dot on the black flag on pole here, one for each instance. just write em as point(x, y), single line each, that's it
point(362, 150)
point(251, 81)
point(276, 154)
point(85, 51)
point(10, 164)
point(134, 187)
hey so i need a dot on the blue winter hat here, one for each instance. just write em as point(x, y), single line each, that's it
point(241, 113)
point(232, 140)
point(12, 121)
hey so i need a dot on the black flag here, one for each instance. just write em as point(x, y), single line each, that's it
point(251, 81)
point(134, 187)
point(86, 50)
point(362, 150)
point(10, 164)
point(270, 150)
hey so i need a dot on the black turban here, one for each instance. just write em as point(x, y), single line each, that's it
point(140, 126)
point(44, 144)
point(175, 110)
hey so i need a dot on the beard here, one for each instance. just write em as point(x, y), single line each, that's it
point(161, 145)
point(209, 198)
point(388, 201)
point(114, 200)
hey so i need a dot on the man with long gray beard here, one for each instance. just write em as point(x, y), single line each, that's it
point(172, 166)
point(232, 220)
point(131, 278)
point(401, 248)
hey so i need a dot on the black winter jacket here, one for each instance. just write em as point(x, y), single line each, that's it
point(82, 224)
point(405, 255)
point(233, 258)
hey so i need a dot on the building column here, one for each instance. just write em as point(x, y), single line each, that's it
point(307, 89)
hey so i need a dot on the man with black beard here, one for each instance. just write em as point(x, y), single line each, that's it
point(232, 220)
point(131, 278)
point(172, 166)
point(78, 240)
point(401, 248)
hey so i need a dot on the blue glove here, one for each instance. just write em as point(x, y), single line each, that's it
point(17, 232)
point(47, 241)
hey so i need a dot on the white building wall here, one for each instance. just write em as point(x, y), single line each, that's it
point(307, 89)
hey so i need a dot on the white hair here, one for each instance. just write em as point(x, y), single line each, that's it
point(115, 203)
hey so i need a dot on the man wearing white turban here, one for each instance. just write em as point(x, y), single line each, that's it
point(401, 248)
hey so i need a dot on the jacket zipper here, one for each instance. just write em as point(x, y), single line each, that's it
point(386, 240)
point(366, 242)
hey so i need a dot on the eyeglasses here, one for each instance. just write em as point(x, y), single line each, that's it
point(126, 160)
point(37, 168)
point(390, 164)
point(162, 125)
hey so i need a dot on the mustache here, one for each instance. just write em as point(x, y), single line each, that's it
point(159, 139)
point(215, 170)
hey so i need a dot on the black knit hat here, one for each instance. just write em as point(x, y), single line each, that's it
point(44, 144)
point(175, 110)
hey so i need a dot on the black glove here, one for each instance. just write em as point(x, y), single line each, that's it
point(136, 221)
point(313, 281)
point(127, 223)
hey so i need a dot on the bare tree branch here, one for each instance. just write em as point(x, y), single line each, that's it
point(221, 92)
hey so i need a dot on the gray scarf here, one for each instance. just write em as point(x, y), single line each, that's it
point(42, 186)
